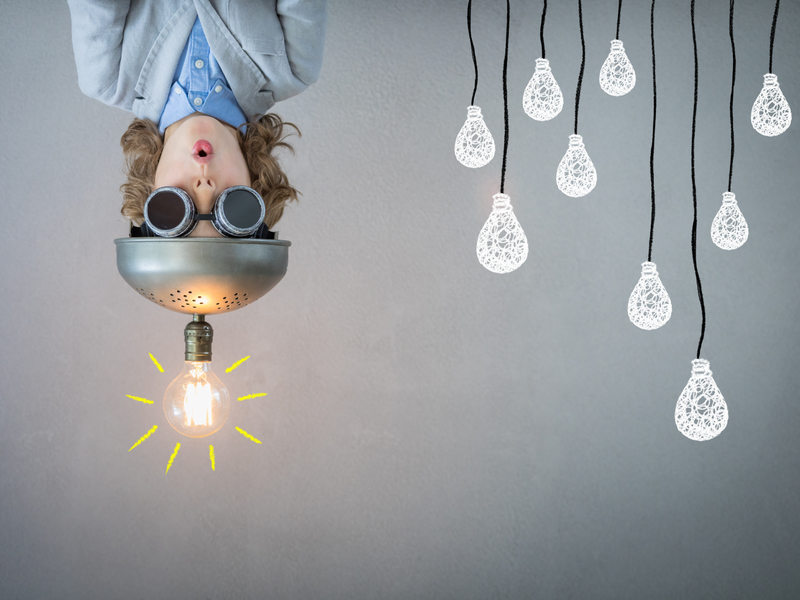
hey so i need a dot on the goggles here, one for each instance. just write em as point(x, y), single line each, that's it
point(239, 211)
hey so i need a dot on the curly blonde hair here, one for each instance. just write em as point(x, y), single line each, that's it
point(142, 145)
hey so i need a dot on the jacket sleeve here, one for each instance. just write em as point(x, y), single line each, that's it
point(97, 33)
point(303, 24)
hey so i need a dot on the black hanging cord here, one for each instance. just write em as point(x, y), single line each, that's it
point(694, 195)
point(541, 27)
point(653, 142)
point(772, 33)
point(583, 64)
point(733, 84)
point(505, 99)
point(619, 16)
point(472, 47)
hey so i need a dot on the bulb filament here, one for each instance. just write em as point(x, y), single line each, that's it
point(197, 402)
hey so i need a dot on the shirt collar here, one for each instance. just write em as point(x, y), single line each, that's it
point(220, 104)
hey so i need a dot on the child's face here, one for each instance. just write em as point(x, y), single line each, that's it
point(201, 171)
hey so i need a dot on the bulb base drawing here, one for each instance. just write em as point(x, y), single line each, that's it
point(502, 246)
point(576, 175)
point(771, 114)
point(649, 306)
point(474, 146)
point(701, 413)
point(617, 76)
point(729, 228)
point(542, 99)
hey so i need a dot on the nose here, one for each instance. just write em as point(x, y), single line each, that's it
point(205, 190)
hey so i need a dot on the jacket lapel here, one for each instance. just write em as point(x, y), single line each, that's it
point(155, 79)
point(244, 77)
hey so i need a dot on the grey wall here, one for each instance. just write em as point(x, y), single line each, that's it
point(432, 430)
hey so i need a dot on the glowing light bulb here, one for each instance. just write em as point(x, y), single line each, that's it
point(502, 245)
point(771, 114)
point(542, 99)
point(729, 229)
point(701, 413)
point(617, 76)
point(576, 175)
point(649, 306)
point(196, 403)
point(474, 144)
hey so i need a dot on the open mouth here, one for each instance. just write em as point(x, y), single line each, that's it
point(202, 149)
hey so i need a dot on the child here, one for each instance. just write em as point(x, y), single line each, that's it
point(200, 81)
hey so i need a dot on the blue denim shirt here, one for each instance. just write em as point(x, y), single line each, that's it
point(199, 85)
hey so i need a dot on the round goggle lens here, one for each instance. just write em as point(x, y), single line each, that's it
point(242, 209)
point(166, 210)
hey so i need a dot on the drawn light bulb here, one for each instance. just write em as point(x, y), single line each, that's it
point(617, 76)
point(576, 175)
point(649, 306)
point(771, 114)
point(502, 245)
point(729, 229)
point(474, 144)
point(197, 403)
point(701, 413)
point(542, 99)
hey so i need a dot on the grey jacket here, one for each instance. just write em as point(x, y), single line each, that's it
point(127, 51)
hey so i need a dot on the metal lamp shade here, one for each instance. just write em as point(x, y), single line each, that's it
point(203, 276)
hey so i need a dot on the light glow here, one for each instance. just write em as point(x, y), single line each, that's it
point(197, 402)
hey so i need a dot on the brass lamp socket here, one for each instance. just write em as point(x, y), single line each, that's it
point(198, 336)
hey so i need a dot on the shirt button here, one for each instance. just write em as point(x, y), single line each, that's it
point(198, 64)
point(218, 89)
point(197, 101)
point(178, 91)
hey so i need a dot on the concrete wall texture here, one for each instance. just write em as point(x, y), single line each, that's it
point(431, 430)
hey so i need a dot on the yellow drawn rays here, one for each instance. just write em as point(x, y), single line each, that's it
point(144, 437)
point(247, 435)
point(211, 455)
point(250, 396)
point(171, 458)
point(155, 362)
point(138, 399)
point(236, 364)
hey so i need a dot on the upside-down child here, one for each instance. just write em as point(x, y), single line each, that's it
point(200, 77)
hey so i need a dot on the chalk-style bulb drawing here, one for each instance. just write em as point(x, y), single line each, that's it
point(196, 403)
point(542, 99)
point(701, 413)
point(576, 175)
point(474, 144)
point(729, 228)
point(771, 114)
point(502, 245)
point(617, 76)
point(649, 306)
